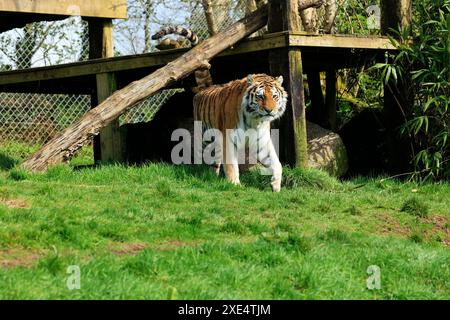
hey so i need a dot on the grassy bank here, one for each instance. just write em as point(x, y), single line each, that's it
point(160, 231)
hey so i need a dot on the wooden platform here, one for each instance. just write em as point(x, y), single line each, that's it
point(17, 13)
point(320, 52)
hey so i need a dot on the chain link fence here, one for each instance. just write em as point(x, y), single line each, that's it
point(29, 120)
point(33, 119)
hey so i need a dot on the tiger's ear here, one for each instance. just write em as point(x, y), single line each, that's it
point(250, 80)
point(280, 80)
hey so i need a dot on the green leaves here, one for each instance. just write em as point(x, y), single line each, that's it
point(389, 72)
point(426, 60)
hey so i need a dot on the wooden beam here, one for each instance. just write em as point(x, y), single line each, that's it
point(283, 16)
point(62, 147)
point(11, 20)
point(131, 62)
point(113, 9)
point(340, 41)
point(158, 59)
point(109, 145)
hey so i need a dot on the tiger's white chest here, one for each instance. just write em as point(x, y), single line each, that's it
point(250, 133)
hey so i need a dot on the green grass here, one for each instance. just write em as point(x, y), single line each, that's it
point(160, 231)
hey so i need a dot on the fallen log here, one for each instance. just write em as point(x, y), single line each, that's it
point(65, 144)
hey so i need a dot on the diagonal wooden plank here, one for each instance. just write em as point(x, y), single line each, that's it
point(63, 146)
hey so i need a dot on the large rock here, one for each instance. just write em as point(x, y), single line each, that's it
point(326, 150)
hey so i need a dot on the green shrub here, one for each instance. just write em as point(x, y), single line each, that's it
point(292, 179)
point(415, 207)
point(426, 63)
point(18, 174)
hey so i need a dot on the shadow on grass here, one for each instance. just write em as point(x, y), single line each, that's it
point(6, 162)
point(196, 174)
point(81, 167)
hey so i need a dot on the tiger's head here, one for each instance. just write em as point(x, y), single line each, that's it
point(265, 97)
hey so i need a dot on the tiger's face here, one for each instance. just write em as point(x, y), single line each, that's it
point(265, 98)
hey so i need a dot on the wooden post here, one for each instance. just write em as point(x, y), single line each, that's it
point(331, 99)
point(283, 16)
point(397, 99)
point(109, 145)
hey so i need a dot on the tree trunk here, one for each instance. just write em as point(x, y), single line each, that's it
point(309, 20)
point(210, 19)
point(63, 146)
point(250, 6)
point(330, 16)
point(395, 13)
point(397, 97)
point(305, 4)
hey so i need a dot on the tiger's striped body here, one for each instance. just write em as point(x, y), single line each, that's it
point(238, 107)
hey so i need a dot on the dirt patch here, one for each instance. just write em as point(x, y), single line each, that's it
point(128, 248)
point(392, 226)
point(439, 225)
point(15, 203)
point(134, 248)
point(18, 257)
point(431, 227)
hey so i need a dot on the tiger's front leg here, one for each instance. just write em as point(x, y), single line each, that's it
point(268, 157)
point(230, 161)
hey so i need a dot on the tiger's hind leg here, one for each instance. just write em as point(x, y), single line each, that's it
point(212, 150)
point(217, 160)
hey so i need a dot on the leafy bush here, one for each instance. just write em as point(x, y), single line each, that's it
point(426, 62)
point(415, 207)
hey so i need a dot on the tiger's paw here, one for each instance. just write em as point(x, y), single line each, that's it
point(236, 182)
point(276, 188)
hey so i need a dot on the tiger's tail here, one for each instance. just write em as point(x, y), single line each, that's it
point(202, 75)
point(187, 33)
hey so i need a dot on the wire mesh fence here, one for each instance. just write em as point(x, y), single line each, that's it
point(33, 119)
point(36, 118)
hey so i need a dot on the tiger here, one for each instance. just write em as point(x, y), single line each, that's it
point(203, 76)
point(233, 109)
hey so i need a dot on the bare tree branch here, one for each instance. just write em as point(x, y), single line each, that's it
point(306, 4)
point(210, 19)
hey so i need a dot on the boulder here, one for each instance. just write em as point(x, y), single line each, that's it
point(326, 150)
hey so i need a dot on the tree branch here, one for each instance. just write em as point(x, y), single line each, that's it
point(306, 4)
